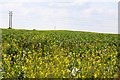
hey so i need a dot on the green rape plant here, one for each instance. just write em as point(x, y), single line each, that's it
point(57, 54)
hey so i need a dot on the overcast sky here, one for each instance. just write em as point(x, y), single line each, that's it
point(82, 15)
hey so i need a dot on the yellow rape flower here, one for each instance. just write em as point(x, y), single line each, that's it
point(83, 76)
point(95, 75)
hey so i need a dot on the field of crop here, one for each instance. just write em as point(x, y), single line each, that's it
point(59, 54)
point(0, 53)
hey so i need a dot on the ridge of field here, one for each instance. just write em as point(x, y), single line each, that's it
point(57, 53)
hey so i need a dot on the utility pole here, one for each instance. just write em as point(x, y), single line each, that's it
point(10, 19)
point(54, 27)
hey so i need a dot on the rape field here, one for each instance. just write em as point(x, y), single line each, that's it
point(59, 54)
point(0, 53)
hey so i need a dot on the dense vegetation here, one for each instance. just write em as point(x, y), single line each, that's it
point(0, 53)
point(59, 54)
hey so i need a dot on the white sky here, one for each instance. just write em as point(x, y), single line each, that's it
point(82, 15)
